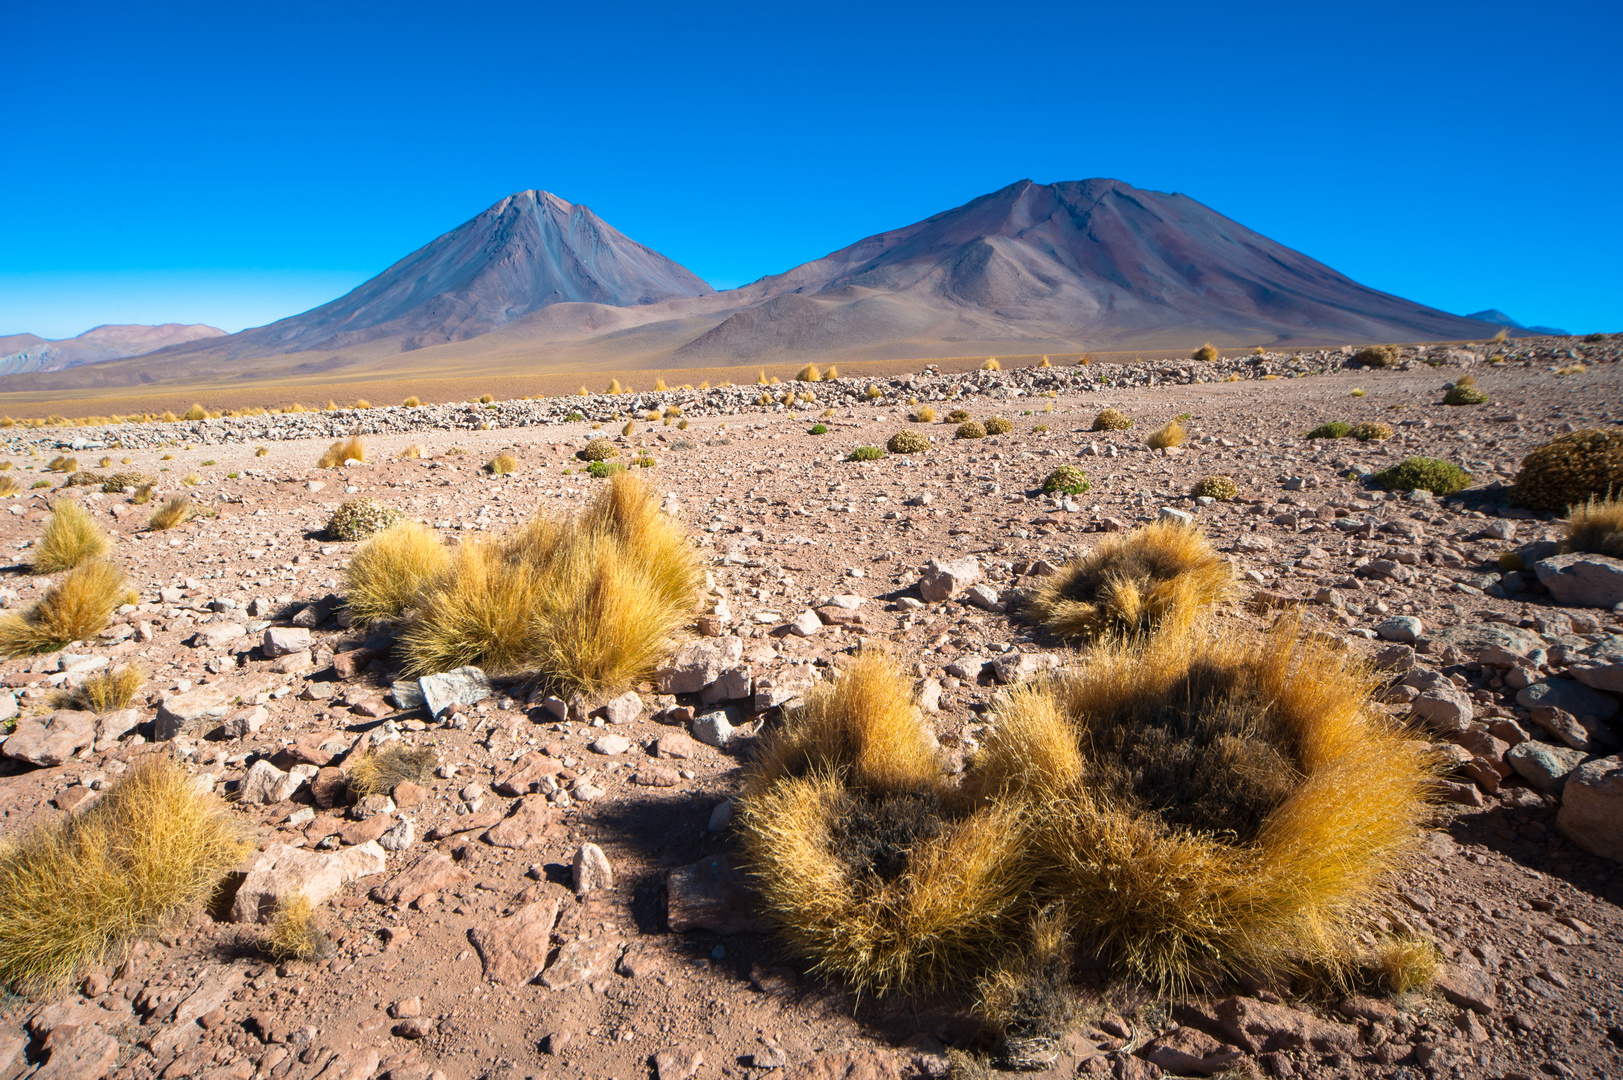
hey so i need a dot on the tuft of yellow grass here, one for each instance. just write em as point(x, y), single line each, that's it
point(1210, 805)
point(379, 772)
point(196, 412)
point(1596, 526)
point(831, 374)
point(76, 607)
point(177, 511)
point(614, 387)
point(143, 494)
point(153, 848)
point(1402, 963)
point(106, 691)
point(630, 428)
point(991, 364)
point(809, 373)
point(924, 414)
point(1045, 363)
point(350, 449)
point(9, 485)
point(295, 933)
point(412, 402)
point(1206, 353)
point(861, 860)
point(1168, 434)
point(387, 572)
point(486, 399)
point(62, 464)
point(590, 602)
point(1160, 576)
point(502, 464)
point(70, 537)
point(659, 386)
point(411, 453)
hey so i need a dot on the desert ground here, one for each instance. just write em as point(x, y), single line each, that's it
point(468, 945)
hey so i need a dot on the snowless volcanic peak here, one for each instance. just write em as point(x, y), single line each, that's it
point(1109, 262)
point(527, 251)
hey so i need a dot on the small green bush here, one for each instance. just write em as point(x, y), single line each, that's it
point(1069, 479)
point(996, 425)
point(970, 429)
point(1377, 356)
point(819, 429)
point(1464, 394)
point(1371, 431)
point(1335, 429)
point(357, 519)
point(574, 417)
point(908, 441)
point(1112, 420)
point(957, 416)
point(1221, 488)
point(866, 453)
point(600, 469)
point(1431, 474)
point(598, 450)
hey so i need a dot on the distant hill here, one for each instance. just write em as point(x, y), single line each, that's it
point(30, 352)
point(1499, 318)
point(538, 284)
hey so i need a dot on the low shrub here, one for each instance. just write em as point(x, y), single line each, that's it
point(357, 519)
point(1221, 488)
point(1371, 431)
point(819, 429)
point(379, 772)
point(907, 441)
point(502, 464)
point(997, 425)
point(598, 450)
point(1111, 420)
point(866, 453)
point(1377, 356)
point(1463, 393)
point(1431, 474)
point(118, 482)
point(1068, 480)
point(1335, 429)
point(958, 416)
point(1206, 353)
point(970, 429)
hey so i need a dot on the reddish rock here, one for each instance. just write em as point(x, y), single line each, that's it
point(514, 950)
point(527, 826)
point(432, 873)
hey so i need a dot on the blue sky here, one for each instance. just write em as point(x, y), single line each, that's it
point(234, 164)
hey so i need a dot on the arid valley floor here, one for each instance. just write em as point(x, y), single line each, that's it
point(665, 971)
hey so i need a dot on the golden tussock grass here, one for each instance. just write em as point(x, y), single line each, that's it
point(411, 453)
point(142, 495)
point(75, 608)
point(412, 402)
point(70, 537)
point(177, 511)
point(62, 464)
point(1168, 434)
point(486, 399)
point(1209, 805)
point(1160, 576)
point(350, 449)
point(1596, 526)
point(1045, 363)
point(659, 386)
point(1401, 964)
point(1028, 999)
point(196, 412)
point(861, 859)
point(502, 464)
point(378, 772)
point(809, 373)
point(106, 691)
point(362, 403)
point(590, 602)
point(831, 374)
point(630, 428)
point(991, 364)
point(388, 571)
point(295, 933)
point(1206, 353)
point(924, 414)
point(614, 387)
point(71, 892)
point(9, 485)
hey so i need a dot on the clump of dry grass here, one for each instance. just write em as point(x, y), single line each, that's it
point(1206, 353)
point(809, 373)
point(177, 511)
point(70, 537)
point(9, 485)
point(71, 891)
point(388, 571)
point(831, 374)
point(1027, 998)
point(378, 772)
point(62, 464)
point(1209, 805)
point(411, 453)
point(1160, 576)
point(142, 495)
point(502, 464)
point(589, 602)
point(1168, 434)
point(412, 402)
point(196, 412)
point(106, 691)
point(75, 608)
point(350, 449)
point(1596, 526)
point(924, 414)
point(862, 859)
point(295, 933)
point(1401, 964)
point(991, 364)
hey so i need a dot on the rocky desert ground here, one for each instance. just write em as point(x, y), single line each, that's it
point(560, 897)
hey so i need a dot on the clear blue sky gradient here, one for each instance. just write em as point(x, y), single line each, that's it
point(234, 164)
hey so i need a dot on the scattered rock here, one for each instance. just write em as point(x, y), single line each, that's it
point(526, 827)
point(51, 740)
point(178, 711)
point(281, 873)
point(1402, 628)
point(699, 663)
point(677, 1064)
point(580, 962)
point(284, 640)
point(1258, 1027)
point(514, 950)
point(942, 580)
point(1591, 814)
point(609, 744)
point(1573, 697)
point(1468, 987)
point(623, 709)
point(460, 686)
point(591, 871)
point(434, 872)
point(1582, 580)
point(1187, 1051)
point(714, 729)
